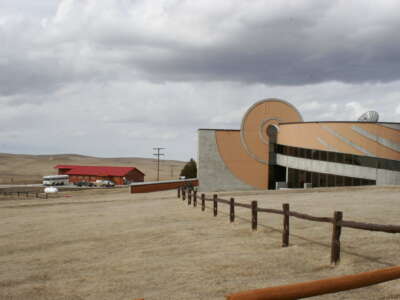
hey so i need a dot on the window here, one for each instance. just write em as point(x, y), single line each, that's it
point(308, 153)
point(342, 158)
point(323, 155)
point(315, 154)
point(332, 156)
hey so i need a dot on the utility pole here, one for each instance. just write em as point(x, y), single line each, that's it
point(158, 154)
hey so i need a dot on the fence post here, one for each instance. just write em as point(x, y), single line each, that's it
point(189, 197)
point(215, 200)
point(195, 198)
point(336, 231)
point(46, 195)
point(232, 210)
point(254, 215)
point(203, 202)
point(285, 232)
point(179, 192)
point(183, 193)
point(36, 195)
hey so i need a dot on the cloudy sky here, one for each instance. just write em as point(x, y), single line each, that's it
point(119, 77)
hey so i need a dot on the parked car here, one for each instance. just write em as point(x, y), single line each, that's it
point(105, 183)
point(108, 183)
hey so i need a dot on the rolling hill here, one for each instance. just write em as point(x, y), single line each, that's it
point(21, 168)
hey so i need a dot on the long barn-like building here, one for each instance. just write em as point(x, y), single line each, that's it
point(276, 148)
point(118, 175)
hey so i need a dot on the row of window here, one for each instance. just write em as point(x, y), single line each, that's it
point(343, 158)
point(297, 178)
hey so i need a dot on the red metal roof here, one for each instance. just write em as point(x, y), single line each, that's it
point(97, 170)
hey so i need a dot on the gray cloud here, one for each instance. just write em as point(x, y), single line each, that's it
point(144, 74)
point(260, 42)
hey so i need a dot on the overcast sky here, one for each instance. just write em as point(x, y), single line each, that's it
point(119, 77)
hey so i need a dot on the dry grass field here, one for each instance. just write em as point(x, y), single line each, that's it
point(109, 244)
point(17, 168)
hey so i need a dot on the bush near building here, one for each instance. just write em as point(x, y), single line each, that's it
point(190, 169)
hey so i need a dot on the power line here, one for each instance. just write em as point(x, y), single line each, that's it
point(158, 154)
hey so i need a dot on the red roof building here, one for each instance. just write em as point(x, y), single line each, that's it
point(119, 175)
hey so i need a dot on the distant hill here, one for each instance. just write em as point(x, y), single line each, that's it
point(21, 168)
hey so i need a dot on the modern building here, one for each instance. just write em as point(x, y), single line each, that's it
point(118, 175)
point(274, 147)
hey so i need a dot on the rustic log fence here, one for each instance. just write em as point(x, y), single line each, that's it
point(337, 220)
point(24, 195)
point(319, 287)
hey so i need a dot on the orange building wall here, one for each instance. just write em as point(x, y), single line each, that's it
point(239, 162)
point(306, 135)
point(245, 153)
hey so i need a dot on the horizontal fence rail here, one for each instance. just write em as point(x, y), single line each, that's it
point(319, 287)
point(371, 227)
point(337, 220)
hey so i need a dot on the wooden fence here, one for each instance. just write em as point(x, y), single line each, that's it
point(155, 186)
point(24, 195)
point(336, 220)
point(319, 287)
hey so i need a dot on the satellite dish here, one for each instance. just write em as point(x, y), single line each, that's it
point(369, 116)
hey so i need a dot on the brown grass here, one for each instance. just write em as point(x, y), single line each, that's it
point(15, 168)
point(113, 245)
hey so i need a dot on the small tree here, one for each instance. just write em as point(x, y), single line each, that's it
point(190, 169)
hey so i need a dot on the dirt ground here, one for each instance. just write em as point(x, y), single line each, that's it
point(110, 244)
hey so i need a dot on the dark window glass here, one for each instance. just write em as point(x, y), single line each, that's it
point(347, 181)
point(308, 153)
point(285, 150)
point(332, 156)
point(356, 160)
point(315, 154)
point(323, 180)
point(366, 161)
point(280, 149)
point(339, 180)
point(331, 180)
point(315, 179)
point(290, 150)
point(340, 158)
point(356, 181)
point(301, 152)
point(296, 183)
point(291, 183)
point(308, 177)
point(348, 159)
point(302, 178)
point(324, 155)
point(383, 164)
